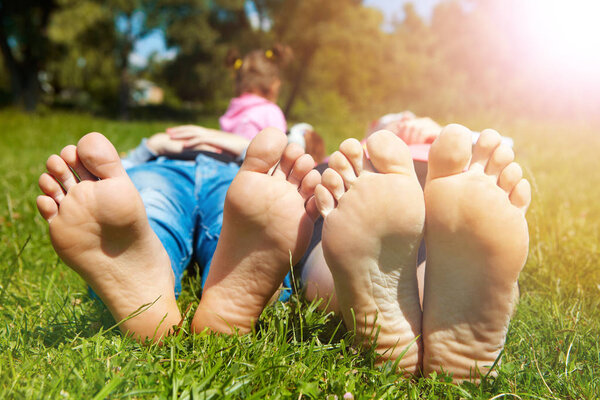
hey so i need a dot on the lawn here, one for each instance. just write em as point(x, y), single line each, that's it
point(55, 342)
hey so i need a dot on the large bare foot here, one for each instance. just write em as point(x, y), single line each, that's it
point(98, 227)
point(477, 243)
point(374, 216)
point(265, 227)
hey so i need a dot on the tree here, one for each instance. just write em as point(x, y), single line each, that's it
point(25, 46)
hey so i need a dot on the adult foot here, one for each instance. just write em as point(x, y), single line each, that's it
point(374, 216)
point(98, 227)
point(477, 242)
point(267, 225)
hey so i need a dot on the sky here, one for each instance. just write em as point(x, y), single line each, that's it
point(155, 42)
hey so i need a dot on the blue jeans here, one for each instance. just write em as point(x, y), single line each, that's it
point(184, 202)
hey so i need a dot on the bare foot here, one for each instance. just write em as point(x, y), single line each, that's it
point(477, 243)
point(374, 216)
point(98, 227)
point(265, 223)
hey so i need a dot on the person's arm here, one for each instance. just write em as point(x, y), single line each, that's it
point(197, 138)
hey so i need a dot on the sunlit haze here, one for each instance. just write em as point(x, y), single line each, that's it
point(565, 33)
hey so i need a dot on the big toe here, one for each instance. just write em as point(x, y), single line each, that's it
point(99, 156)
point(450, 152)
point(265, 151)
point(389, 154)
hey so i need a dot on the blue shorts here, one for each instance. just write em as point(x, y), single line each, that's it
point(184, 202)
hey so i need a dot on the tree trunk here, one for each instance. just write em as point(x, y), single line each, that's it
point(124, 93)
point(30, 94)
point(23, 72)
point(299, 79)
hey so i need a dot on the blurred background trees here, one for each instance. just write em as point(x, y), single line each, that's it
point(470, 56)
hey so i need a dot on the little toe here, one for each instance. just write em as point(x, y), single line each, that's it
point(389, 154)
point(265, 151)
point(99, 156)
point(303, 165)
point(333, 182)
point(47, 207)
point(343, 167)
point(324, 201)
point(58, 168)
point(450, 152)
point(488, 141)
point(501, 157)
point(354, 152)
point(520, 196)
point(69, 154)
point(51, 187)
point(290, 156)
point(510, 176)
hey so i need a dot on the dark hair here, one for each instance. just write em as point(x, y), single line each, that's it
point(257, 70)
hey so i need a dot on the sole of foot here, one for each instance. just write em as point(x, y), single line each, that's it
point(98, 227)
point(374, 216)
point(477, 243)
point(267, 224)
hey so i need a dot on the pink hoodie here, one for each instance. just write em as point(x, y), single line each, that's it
point(248, 114)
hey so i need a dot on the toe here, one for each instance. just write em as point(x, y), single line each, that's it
point(450, 152)
point(354, 152)
point(264, 151)
point(343, 167)
point(389, 154)
point(69, 154)
point(333, 182)
point(51, 187)
point(324, 201)
point(488, 141)
point(521, 195)
point(307, 191)
point(290, 156)
point(309, 183)
point(303, 165)
point(99, 156)
point(58, 168)
point(501, 157)
point(509, 177)
point(47, 207)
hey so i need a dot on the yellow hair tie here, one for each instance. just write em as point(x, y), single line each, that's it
point(238, 63)
point(269, 54)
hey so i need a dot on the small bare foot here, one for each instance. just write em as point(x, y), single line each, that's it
point(477, 243)
point(265, 223)
point(98, 227)
point(374, 216)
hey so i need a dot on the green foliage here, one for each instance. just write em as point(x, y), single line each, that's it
point(55, 342)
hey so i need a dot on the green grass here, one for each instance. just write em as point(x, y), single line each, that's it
point(57, 343)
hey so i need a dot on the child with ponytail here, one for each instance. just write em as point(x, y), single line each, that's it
point(257, 84)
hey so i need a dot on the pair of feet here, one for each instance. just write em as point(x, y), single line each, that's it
point(374, 213)
point(472, 214)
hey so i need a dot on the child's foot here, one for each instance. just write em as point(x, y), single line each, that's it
point(266, 229)
point(374, 215)
point(98, 227)
point(477, 243)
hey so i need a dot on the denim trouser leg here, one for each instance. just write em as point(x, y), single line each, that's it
point(167, 190)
